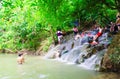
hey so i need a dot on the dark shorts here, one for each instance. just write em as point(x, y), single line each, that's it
point(75, 33)
point(118, 25)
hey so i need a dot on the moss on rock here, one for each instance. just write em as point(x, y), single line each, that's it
point(111, 59)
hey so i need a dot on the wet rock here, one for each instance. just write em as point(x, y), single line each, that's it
point(81, 59)
point(110, 60)
point(63, 52)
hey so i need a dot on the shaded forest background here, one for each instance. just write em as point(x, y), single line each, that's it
point(28, 24)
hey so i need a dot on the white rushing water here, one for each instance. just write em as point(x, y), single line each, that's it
point(73, 51)
point(94, 61)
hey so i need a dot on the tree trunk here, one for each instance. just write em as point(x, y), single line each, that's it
point(52, 34)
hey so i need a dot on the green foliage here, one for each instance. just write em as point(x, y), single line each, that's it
point(47, 44)
point(114, 50)
point(115, 57)
point(25, 23)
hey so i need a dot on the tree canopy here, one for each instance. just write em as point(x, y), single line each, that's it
point(25, 23)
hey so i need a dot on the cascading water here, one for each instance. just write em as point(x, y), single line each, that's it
point(77, 51)
point(94, 61)
point(73, 54)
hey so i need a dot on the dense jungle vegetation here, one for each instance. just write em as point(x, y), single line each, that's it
point(26, 24)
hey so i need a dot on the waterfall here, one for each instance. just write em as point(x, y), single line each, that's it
point(94, 61)
point(79, 52)
point(74, 54)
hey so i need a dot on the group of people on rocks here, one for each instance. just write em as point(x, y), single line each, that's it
point(77, 35)
point(114, 27)
point(92, 35)
point(97, 31)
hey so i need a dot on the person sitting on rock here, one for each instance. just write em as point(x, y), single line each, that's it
point(98, 34)
point(91, 41)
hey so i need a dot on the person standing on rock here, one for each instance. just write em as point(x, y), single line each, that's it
point(75, 30)
point(59, 35)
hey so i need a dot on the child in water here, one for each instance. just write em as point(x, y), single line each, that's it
point(20, 58)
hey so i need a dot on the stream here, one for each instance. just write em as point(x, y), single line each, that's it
point(36, 67)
